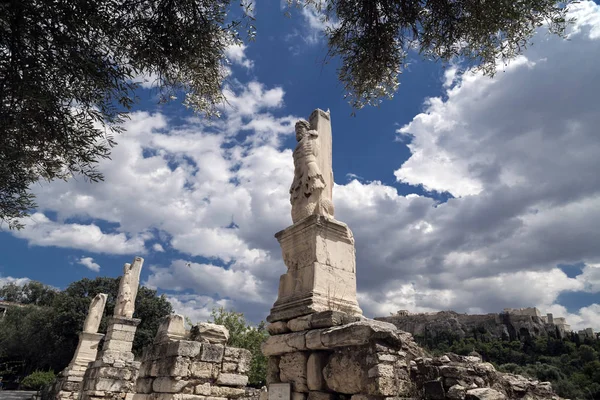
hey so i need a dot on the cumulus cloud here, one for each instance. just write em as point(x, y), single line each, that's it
point(518, 154)
point(41, 231)
point(158, 247)
point(237, 55)
point(5, 280)
point(89, 263)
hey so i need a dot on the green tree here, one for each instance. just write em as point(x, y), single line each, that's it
point(37, 380)
point(32, 292)
point(68, 67)
point(246, 336)
point(44, 337)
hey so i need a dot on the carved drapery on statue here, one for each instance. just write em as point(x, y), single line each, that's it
point(128, 288)
point(95, 312)
point(310, 193)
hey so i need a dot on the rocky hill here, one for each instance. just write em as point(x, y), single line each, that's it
point(505, 326)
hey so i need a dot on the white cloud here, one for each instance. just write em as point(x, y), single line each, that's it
point(158, 247)
point(89, 263)
point(5, 280)
point(41, 231)
point(237, 55)
point(196, 308)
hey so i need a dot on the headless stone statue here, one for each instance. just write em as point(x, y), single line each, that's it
point(95, 312)
point(308, 193)
point(128, 289)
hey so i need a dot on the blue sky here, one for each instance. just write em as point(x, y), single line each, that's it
point(463, 192)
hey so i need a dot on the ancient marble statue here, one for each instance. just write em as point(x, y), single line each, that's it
point(306, 192)
point(128, 287)
point(95, 312)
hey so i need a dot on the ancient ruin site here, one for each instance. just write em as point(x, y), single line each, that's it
point(299, 200)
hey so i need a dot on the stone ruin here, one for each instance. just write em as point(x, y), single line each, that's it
point(179, 365)
point(321, 347)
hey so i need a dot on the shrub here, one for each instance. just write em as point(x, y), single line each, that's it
point(37, 380)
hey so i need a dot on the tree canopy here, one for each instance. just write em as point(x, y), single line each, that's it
point(245, 336)
point(43, 335)
point(68, 68)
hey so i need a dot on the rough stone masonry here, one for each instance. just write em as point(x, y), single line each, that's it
point(320, 344)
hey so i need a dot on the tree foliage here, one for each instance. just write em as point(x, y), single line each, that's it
point(245, 336)
point(37, 380)
point(43, 335)
point(374, 37)
point(573, 367)
point(68, 72)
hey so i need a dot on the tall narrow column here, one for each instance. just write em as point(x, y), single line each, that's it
point(114, 372)
point(69, 380)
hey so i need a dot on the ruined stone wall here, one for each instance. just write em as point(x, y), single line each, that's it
point(190, 370)
point(331, 356)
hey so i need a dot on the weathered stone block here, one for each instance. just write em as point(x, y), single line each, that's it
point(286, 343)
point(299, 324)
point(232, 380)
point(381, 370)
point(200, 369)
point(484, 394)
point(360, 333)
point(320, 396)
point(292, 369)
point(210, 333)
point(144, 385)
point(456, 392)
point(383, 386)
point(298, 396)
point(277, 328)
point(273, 370)
point(229, 392)
point(434, 390)
point(314, 370)
point(168, 385)
point(313, 340)
point(229, 367)
point(212, 353)
point(184, 348)
point(345, 373)
point(327, 319)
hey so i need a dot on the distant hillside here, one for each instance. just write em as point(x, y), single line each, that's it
point(516, 324)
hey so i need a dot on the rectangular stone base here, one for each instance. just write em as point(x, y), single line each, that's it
point(320, 256)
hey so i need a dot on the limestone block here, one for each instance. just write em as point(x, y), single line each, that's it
point(118, 345)
point(232, 380)
point(109, 385)
point(313, 340)
point(484, 394)
point(456, 392)
point(292, 367)
point(298, 396)
point(286, 343)
point(434, 390)
point(113, 373)
point(120, 335)
point(229, 367)
point(312, 395)
point(172, 327)
point(314, 370)
point(381, 370)
point(144, 385)
point(203, 389)
point(329, 318)
point(165, 384)
point(453, 371)
point(240, 357)
point(344, 373)
point(360, 333)
point(273, 370)
point(384, 386)
point(200, 369)
point(184, 348)
point(212, 353)
point(277, 328)
point(210, 333)
point(387, 358)
point(229, 392)
point(300, 323)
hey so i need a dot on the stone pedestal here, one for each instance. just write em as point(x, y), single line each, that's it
point(114, 373)
point(320, 256)
point(69, 381)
